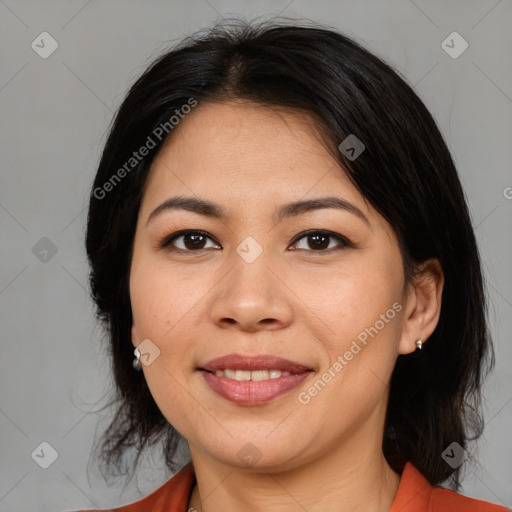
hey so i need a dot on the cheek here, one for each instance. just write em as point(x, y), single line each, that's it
point(161, 313)
point(159, 309)
point(362, 308)
point(353, 298)
point(161, 300)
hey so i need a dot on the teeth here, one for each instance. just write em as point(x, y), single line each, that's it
point(242, 375)
point(259, 375)
point(255, 375)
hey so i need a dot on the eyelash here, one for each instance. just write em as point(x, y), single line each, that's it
point(344, 242)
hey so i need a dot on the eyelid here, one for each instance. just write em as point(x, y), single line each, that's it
point(344, 242)
point(168, 239)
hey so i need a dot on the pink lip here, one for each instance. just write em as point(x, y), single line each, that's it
point(260, 362)
point(249, 392)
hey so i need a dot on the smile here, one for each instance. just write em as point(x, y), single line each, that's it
point(255, 375)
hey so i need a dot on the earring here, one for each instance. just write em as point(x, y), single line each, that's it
point(136, 362)
point(419, 343)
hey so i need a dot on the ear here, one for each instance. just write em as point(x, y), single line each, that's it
point(422, 305)
point(135, 338)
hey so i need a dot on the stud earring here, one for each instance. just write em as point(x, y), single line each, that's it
point(136, 362)
point(419, 343)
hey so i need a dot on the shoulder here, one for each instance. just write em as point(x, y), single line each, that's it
point(173, 496)
point(416, 494)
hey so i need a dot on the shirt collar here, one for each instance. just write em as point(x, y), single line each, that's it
point(413, 493)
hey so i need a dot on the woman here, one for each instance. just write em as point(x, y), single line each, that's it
point(278, 233)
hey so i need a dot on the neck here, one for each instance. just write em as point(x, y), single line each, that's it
point(354, 477)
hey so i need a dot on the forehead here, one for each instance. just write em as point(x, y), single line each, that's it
point(266, 133)
point(248, 154)
point(245, 140)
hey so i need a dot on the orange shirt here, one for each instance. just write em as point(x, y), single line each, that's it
point(415, 494)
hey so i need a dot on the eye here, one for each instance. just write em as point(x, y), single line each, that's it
point(320, 241)
point(188, 240)
point(195, 240)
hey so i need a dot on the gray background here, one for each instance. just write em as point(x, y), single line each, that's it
point(54, 115)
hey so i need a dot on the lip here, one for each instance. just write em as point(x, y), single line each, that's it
point(251, 393)
point(250, 363)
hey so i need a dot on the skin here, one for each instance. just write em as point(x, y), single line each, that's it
point(294, 301)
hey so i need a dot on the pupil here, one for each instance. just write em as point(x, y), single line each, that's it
point(317, 244)
point(194, 240)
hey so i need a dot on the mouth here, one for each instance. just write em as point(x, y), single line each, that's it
point(254, 375)
point(253, 380)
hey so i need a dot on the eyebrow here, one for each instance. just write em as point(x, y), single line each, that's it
point(215, 211)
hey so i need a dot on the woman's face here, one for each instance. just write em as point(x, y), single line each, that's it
point(252, 283)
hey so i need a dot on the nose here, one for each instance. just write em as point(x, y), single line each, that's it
point(252, 297)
